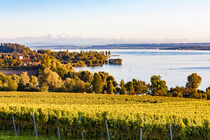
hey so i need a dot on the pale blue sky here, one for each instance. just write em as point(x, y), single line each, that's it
point(135, 19)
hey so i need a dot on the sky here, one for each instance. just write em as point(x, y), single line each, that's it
point(185, 20)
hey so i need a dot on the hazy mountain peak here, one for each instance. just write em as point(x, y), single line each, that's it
point(64, 39)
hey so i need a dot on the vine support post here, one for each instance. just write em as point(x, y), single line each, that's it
point(35, 129)
point(141, 133)
point(82, 129)
point(13, 120)
point(58, 131)
point(171, 132)
point(107, 129)
point(140, 130)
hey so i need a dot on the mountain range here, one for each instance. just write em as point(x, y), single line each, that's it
point(63, 41)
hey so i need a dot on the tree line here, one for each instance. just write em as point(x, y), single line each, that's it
point(54, 76)
point(82, 58)
point(57, 73)
point(9, 56)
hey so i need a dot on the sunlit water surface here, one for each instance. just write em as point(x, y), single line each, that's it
point(174, 66)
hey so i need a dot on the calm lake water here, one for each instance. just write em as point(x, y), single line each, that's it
point(174, 66)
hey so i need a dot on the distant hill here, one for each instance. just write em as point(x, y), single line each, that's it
point(165, 46)
point(162, 46)
point(10, 48)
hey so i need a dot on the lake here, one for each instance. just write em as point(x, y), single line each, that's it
point(173, 65)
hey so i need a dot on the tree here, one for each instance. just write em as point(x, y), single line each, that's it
point(69, 84)
point(76, 85)
point(130, 88)
point(12, 85)
point(110, 77)
point(177, 92)
point(123, 89)
point(79, 86)
point(208, 93)
point(85, 76)
point(24, 79)
point(16, 78)
point(72, 75)
point(110, 87)
point(49, 62)
point(158, 86)
point(104, 76)
point(46, 62)
point(24, 82)
point(7, 83)
point(194, 81)
point(140, 87)
point(88, 87)
point(97, 83)
point(122, 83)
point(44, 88)
point(34, 82)
point(51, 79)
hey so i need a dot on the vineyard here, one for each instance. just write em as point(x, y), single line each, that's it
point(75, 113)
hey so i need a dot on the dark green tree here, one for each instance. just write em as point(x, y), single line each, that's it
point(110, 87)
point(97, 83)
point(130, 88)
point(208, 93)
point(194, 81)
point(122, 83)
point(123, 89)
point(140, 87)
point(158, 86)
point(85, 76)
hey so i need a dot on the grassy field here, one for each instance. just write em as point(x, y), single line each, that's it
point(125, 115)
point(4, 137)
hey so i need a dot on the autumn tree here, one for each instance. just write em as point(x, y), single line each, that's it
point(50, 79)
point(7, 83)
point(24, 79)
point(75, 85)
point(69, 84)
point(46, 62)
point(79, 86)
point(24, 82)
point(55, 65)
point(16, 78)
point(34, 82)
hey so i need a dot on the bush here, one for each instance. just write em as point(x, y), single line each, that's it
point(44, 88)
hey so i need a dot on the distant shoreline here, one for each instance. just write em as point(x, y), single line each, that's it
point(162, 46)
